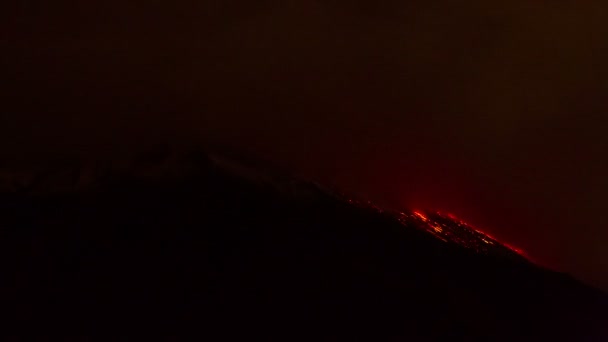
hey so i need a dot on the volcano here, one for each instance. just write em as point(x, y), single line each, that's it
point(210, 244)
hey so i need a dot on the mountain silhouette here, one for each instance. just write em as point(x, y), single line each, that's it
point(213, 244)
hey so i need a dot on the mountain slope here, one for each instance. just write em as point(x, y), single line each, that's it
point(196, 243)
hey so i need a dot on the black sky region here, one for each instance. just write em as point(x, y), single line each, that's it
point(492, 110)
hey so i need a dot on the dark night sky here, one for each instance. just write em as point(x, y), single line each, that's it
point(495, 111)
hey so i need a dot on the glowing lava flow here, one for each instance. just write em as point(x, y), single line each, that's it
point(450, 229)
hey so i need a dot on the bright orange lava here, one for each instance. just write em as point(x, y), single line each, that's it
point(450, 229)
point(421, 216)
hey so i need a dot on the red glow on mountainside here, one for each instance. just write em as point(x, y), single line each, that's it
point(450, 229)
point(421, 216)
point(514, 249)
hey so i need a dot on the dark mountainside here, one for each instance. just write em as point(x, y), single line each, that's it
point(193, 243)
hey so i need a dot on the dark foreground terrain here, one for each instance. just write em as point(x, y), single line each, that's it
point(190, 243)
